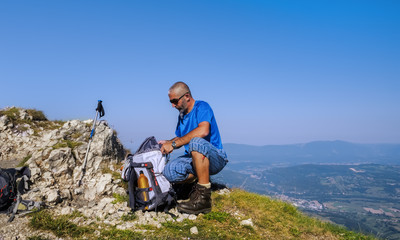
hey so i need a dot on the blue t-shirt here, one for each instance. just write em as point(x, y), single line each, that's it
point(201, 112)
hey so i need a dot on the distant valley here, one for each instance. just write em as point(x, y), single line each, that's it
point(355, 185)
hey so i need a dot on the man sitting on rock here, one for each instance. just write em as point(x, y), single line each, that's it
point(197, 130)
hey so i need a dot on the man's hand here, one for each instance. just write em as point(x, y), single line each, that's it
point(166, 147)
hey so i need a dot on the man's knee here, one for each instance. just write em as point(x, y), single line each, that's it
point(175, 172)
point(168, 173)
point(198, 145)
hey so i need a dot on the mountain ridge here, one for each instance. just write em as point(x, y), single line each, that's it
point(314, 152)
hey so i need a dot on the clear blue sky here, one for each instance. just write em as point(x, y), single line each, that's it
point(275, 72)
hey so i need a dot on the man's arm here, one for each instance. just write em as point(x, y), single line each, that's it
point(202, 130)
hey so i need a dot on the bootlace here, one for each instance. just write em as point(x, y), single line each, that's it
point(195, 193)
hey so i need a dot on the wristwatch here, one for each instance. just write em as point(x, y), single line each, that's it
point(174, 145)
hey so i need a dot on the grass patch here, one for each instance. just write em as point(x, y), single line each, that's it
point(38, 120)
point(115, 174)
point(11, 113)
point(48, 125)
point(76, 135)
point(67, 143)
point(129, 217)
point(76, 214)
point(60, 225)
point(114, 233)
point(218, 216)
point(23, 162)
point(120, 198)
point(14, 115)
point(272, 220)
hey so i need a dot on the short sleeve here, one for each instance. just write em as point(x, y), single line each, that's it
point(204, 113)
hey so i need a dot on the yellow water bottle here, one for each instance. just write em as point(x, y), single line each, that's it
point(143, 182)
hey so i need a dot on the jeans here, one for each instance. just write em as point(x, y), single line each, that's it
point(178, 170)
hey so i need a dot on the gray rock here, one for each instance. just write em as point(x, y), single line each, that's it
point(194, 230)
point(66, 210)
point(53, 196)
point(247, 222)
point(66, 194)
point(104, 183)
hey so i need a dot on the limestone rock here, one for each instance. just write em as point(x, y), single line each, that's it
point(53, 196)
point(247, 222)
point(194, 230)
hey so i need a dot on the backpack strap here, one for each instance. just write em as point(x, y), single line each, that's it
point(131, 189)
point(14, 207)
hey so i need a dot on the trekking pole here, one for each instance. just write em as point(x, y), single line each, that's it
point(99, 110)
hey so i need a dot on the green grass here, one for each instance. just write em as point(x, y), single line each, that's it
point(23, 162)
point(280, 220)
point(129, 217)
point(11, 113)
point(218, 216)
point(114, 233)
point(115, 175)
point(272, 220)
point(61, 226)
point(38, 122)
point(67, 143)
point(120, 198)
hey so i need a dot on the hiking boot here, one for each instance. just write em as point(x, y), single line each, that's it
point(183, 190)
point(199, 201)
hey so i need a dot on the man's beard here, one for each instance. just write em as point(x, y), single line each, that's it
point(183, 110)
point(182, 113)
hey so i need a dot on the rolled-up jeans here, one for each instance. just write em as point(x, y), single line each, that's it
point(178, 170)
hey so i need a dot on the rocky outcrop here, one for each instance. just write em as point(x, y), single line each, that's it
point(55, 152)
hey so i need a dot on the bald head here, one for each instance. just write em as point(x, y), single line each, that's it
point(180, 88)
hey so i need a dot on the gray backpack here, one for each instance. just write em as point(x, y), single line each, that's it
point(11, 191)
point(148, 160)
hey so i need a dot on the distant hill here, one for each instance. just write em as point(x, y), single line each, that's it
point(320, 152)
point(362, 197)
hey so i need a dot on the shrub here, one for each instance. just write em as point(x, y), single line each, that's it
point(37, 115)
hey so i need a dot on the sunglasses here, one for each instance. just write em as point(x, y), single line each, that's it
point(176, 100)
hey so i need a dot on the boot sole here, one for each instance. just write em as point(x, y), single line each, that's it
point(204, 211)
